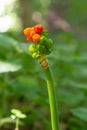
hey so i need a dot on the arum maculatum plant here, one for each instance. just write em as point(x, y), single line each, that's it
point(41, 47)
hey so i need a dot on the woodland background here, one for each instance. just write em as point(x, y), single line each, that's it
point(22, 82)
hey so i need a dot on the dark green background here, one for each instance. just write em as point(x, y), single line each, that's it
point(22, 82)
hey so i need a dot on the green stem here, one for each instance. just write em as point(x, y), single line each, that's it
point(17, 124)
point(52, 99)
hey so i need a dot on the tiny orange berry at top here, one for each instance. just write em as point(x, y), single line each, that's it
point(38, 28)
point(27, 31)
point(36, 38)
point(30, 36)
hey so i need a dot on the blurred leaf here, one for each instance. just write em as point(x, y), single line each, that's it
point(80, 112)
point(72, 83)
point(18, 113)
point(70, 98)
point(24, 47)
point(6, 120)
point(68, 48)
point(8, 67)
point(78, 85)
point(28, 86)
point(9, 42)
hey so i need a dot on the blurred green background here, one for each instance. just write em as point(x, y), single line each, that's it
point(22, 82)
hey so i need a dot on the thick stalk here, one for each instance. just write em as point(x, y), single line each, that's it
point(52, 99)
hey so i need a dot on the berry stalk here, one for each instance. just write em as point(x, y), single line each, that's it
point(43, 46)
point(51, 94)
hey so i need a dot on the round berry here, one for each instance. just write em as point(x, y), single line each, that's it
point(38, 28)
point(27, 31)
point(31, 48)
point(36, 38)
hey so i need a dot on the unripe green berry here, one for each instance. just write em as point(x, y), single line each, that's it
point(43, 39)
point(35, 55)
point(38, 47)
point(41, 48)
point(49, 42)
point(45, 33)
point(48, 51)
point(31, 48)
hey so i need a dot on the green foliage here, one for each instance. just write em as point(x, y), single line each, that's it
point(17, 113)
point(80, 113)
point(22, 83)
point(8, 67)
point(27, 85)
point(5, 120)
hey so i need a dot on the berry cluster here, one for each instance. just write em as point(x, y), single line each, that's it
point(42, 45)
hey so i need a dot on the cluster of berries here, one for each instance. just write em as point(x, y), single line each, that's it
point(42, 45)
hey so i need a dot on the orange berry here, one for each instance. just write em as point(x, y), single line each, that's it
point(28, 39)
point(27, 31)
point(38, 28)
point(30, 36)
point(36, 38)
point(32, 33)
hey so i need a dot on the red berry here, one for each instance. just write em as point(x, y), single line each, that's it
point(38, 28)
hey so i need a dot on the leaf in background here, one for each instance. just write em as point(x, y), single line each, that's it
point(66, 48)
point(6, 120)
point(24, 47)
point(78, 85)
point(18, 113)
point(28, 86)
point(80, 112)
point(9, 42)
point(8, 67)
point(70, 98)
